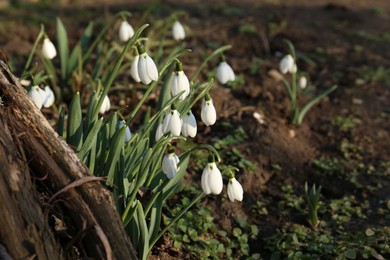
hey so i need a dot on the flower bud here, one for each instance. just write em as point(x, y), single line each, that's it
point(225, 73)
point(178, 31)
point(208, 113)
point(234, 190)
point(126, 31)
point(302, 82)
point(127, 133)
point(48, 49)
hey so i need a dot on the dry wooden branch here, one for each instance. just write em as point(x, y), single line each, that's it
point(48, 154)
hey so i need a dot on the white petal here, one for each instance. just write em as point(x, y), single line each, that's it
point(180, 83)
point(169, 165)
point(49, 97)
point(215, 179)
point(127, 133)
point(178, 31)
point(225, 73)
point(151, 68)
point(286, 64)
point(43, 95)
point(175, 123)
point(35, 96)
point(126, 31)
point(159, 132)
point(48, 49)
point(208, 113)
point(189, 127)
point(302, 82)
point(105, 105)
point(235, 191)
point(134, 69)
point(142, 69)
point(293, 68)
point(205, 180)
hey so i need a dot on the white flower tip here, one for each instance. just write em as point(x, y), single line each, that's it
point(48, 49)
point(178, 31)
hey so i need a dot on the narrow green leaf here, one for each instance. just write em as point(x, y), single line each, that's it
point(90, 139)
point(63, 47)
point(312, 102)
point(75, 123)
point(114, 153)
point(86, 38)
point(61, 122)
point(155, 217)
point(134, 229)
point(144, 248)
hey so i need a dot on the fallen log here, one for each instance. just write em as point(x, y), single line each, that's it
point(88, 206)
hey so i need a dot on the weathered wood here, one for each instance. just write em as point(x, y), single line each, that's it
point(90, 206)
point(22, 222)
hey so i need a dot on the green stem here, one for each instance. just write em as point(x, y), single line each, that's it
point(29, 60)
point(204, 146)
point(195, 200)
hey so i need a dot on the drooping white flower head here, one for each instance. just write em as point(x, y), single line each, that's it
point(126, 31)
point(234, 189)
point(225, 73)
point(180, 83)
point(208, 113)
point(287, 64)
point(211, 178)
point(159, 132)
point(169, 164)
point(172, 122)
point(294, 68)
point(49, 97)
point(178, 31)
point(127, 133)
point(48, 49)
point(147, 70)
point(105, 105)
point(188, 126)
point(36, 96)
point(134, 69)
point(302, 83)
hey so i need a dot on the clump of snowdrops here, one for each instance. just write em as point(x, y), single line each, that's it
point(141, 159)
point(297, 85)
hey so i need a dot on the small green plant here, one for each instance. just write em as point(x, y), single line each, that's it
point(312, 199)
point(288, 65)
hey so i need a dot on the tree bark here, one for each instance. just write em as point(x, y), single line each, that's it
point(55, 166)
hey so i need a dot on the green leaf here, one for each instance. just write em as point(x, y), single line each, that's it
point(114, 153)
point(75, 123)
point(90, 140)
point(312, 102)
point(144, 247)
point(350, 253)
point(63, 48)
point(61, 122)
point(155, 217)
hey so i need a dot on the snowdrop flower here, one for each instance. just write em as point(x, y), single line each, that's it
point(178, 31)
point(208, 113)
point(169, 164)
point(128, 133)
point(126, 31)
point(36, 96)
point(302, 82)
point(172, 122)
point(180, 83)
point(147, 70)
point(48, 49)
point(134, 69)
point(234, 189)
point(225, 73)
point(287, 64)
point(188, 126)
point(49, 97)
point(211, 178)
point(159, 132)
point(294, 68)
point(105, 105)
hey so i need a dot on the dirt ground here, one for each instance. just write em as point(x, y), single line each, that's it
point(344, 43)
